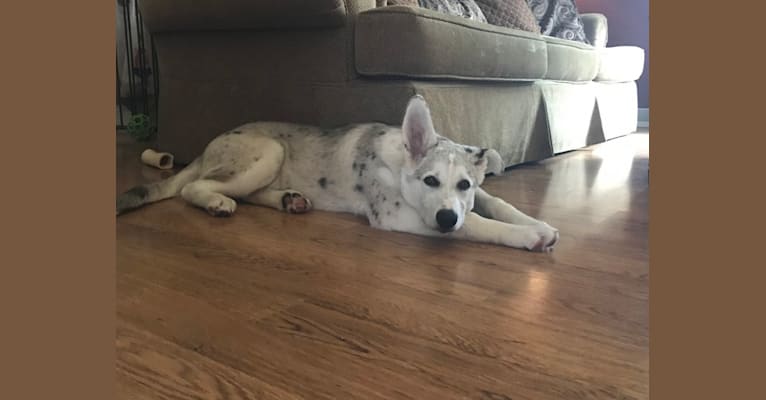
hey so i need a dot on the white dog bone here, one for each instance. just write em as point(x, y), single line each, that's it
point(156, 159)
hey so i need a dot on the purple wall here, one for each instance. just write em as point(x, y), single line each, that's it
point(628, 22)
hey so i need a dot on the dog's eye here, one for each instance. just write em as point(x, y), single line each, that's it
point(431, 181)
point(464, 185)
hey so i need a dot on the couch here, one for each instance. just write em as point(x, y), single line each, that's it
point(334, 62)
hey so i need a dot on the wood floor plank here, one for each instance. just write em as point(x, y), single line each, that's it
point(325, 272)
point(153, 368)
point(337, 340)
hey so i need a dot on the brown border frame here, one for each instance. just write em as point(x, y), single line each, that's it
point(58, 173)
point(705, 128)
point(58, 169)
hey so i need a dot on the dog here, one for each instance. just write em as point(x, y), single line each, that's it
point(407, 179)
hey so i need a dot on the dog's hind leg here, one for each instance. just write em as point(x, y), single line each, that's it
point(206, 194)
point(290, 201)
point(231, 178)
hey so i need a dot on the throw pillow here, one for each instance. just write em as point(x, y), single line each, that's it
point(411, 3)
point(462, 8)
point(514, 14)
point(558, 18)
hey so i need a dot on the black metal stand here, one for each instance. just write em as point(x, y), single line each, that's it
point(141, 64)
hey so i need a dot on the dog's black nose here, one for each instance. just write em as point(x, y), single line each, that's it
point(446, 219)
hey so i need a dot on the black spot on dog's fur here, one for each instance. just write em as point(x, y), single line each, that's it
point(353, 166)
point(322, 182)
point(286, 198)
point(359, 188)
point(396, 203)
point(468, 150)
point(381, 133)
point(373, 156)
point(480, 156)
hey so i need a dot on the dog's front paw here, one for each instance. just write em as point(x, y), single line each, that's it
point(295, 203)
point(542, 237)
point(221, 207)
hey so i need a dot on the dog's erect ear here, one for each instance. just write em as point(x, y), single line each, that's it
point(418, 128)
point(490, 161)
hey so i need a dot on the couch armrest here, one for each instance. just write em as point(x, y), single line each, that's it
point(211, 15)
point(596, 30)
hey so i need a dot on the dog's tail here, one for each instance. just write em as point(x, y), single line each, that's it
point(151, 192)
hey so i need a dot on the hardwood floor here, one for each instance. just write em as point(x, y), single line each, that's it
point(266, 305)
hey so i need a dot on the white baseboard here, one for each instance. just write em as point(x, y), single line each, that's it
point(643, 117)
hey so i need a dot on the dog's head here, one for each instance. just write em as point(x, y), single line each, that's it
point(440, 177)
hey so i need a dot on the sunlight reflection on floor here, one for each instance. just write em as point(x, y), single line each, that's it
point(597, 183)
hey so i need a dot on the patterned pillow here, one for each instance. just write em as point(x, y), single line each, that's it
point(462, 8)
point(558, 18)
point(514, 14)
point(411, 3)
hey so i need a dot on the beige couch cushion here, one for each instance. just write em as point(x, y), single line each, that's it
point(620, 64)
point(571, 61)
point(420, 43)
point(204, 15)
point(596, 28)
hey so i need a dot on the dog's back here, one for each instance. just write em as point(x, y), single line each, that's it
point(336, 168)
